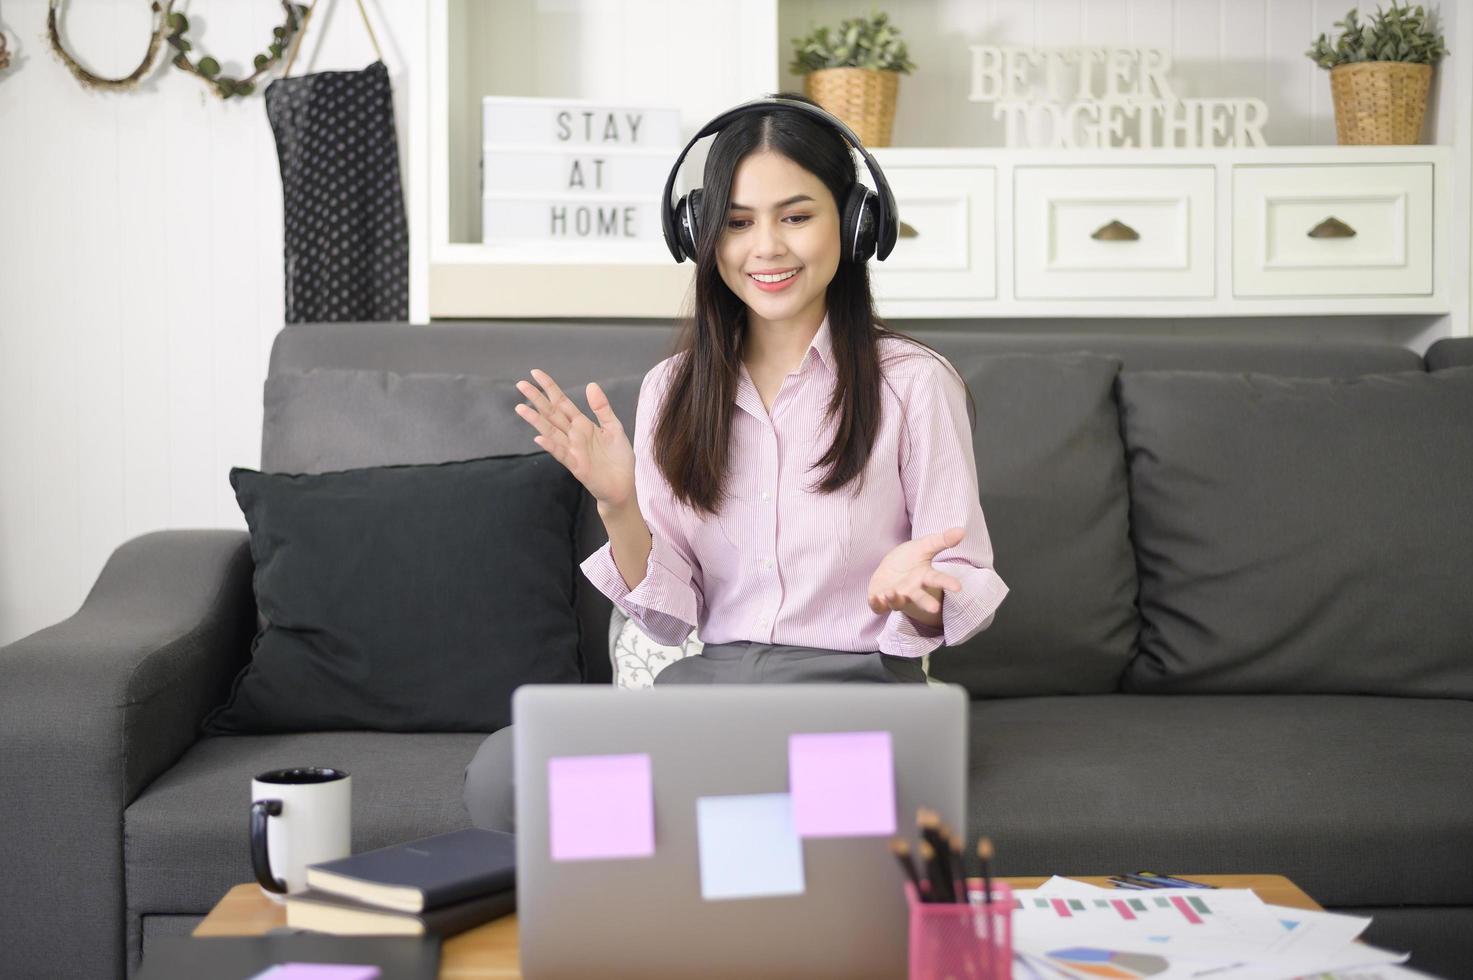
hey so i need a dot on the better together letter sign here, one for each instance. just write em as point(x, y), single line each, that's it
point(1103, 98)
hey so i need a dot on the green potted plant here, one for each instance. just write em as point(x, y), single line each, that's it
point(1380, 72)
point(854, 73)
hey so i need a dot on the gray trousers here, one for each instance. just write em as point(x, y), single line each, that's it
point(490, 786)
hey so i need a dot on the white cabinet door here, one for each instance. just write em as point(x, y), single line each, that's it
point(1106, 232)
point(953, 251)
point(1353, 229)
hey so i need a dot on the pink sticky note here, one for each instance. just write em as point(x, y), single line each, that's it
point(601, 806)
point(319, 971)
point(843, 784)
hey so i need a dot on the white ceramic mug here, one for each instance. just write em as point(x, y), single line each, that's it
point(299, 817)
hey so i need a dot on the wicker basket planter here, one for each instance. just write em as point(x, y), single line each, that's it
point(864, 98)
point(1380, 102)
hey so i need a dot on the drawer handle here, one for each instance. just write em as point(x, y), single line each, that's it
point(1115, 231)
point(1332, 227)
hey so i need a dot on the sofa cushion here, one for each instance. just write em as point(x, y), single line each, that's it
point(1359, 800)
point(406, 598)
point(583, 349)
point(1051, 469)
point(323, 419)
point(569, 350)
point(336, 419)
point(1302, 535)
point(636, 658)
point(186, 835)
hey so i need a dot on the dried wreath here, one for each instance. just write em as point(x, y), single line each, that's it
point(208, 68)
point(173, 27)
point(92, 80)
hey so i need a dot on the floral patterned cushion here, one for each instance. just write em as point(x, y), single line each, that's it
point(637, 658)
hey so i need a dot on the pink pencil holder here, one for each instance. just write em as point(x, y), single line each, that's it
point(952, 941)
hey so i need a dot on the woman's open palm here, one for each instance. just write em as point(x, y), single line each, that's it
point(599, 456)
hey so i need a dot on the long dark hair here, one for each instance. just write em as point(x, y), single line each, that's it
point(692, 434)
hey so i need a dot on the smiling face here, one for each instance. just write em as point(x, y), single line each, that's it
point(782, 220)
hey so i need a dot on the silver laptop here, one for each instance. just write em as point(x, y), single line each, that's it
point(661, 907)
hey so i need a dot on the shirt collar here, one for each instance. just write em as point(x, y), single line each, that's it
point(820, 348)
point(824, 346)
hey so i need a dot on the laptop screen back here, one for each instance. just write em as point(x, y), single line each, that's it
point(661, 832)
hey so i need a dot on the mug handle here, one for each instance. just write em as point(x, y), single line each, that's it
point(260, 859)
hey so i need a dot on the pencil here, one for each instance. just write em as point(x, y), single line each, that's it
point(930, 826)
point(930, 821)
point(958, 871)
point(901, 850)
point(942, 841)
point(984, 853)
point(934, 877)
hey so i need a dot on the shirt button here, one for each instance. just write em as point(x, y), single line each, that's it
point(762, 622)
point(766, 495)
point(764, 563)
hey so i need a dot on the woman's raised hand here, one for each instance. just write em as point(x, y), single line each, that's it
point(599, 456)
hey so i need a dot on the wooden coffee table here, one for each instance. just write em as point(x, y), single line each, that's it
point(491, 951)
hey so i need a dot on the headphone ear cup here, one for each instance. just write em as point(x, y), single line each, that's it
point(858, 226)
point(688, 222)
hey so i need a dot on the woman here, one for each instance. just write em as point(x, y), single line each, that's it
point(801, 486)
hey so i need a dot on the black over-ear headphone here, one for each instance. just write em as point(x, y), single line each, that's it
point(868, 224)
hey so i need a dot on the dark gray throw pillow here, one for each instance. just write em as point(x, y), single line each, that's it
point(340, 418)
point(1051, 471)
point(411, 598)
point(1301, 535)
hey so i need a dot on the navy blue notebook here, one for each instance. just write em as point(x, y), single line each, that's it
point(424, 874)
point(343, 916)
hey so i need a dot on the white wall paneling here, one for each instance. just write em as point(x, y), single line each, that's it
point(141, 280)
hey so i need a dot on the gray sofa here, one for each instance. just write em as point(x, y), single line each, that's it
point(121, 824)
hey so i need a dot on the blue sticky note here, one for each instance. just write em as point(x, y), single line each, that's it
point(749, 847)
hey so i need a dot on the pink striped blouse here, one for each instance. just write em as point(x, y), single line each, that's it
point(781, 564)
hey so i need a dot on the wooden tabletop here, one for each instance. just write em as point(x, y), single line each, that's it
point(491, 951)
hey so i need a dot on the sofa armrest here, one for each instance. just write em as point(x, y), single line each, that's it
point(1450, 352)
point(92, 710)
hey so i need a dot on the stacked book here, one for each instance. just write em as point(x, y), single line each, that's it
point(568, 170)
point(436, 886)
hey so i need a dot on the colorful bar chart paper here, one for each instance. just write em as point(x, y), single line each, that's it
point(1172, 923)
point(1068, 928)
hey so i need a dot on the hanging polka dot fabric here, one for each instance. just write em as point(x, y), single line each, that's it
point(347, 240)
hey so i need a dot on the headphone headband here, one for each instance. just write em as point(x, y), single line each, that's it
point(886, 229)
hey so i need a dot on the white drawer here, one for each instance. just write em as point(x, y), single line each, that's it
point(1353, 229)
point(954, 250)
point(1113, 232)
